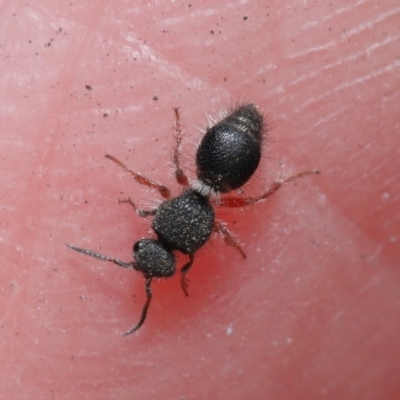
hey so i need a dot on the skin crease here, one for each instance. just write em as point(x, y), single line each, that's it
point(313, 311)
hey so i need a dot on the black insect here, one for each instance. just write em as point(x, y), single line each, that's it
point(226, 158)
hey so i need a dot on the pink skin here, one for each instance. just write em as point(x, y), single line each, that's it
point(314, 310)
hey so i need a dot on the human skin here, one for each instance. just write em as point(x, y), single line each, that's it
point(313, 312)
